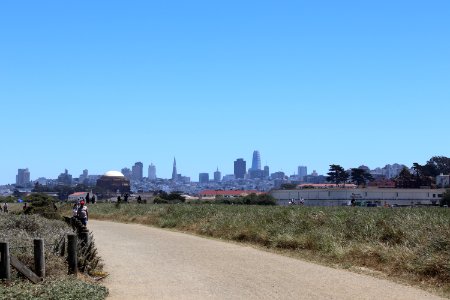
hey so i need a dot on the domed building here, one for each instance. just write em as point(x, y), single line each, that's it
point(113, 181)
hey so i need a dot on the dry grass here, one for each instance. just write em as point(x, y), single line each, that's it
point(20, 230)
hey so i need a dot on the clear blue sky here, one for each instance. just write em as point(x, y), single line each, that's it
point(103, 84)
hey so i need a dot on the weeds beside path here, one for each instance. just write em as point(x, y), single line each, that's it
point(411, 244)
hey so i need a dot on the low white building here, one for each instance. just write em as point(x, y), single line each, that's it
point(343, 196)
point(78, 196)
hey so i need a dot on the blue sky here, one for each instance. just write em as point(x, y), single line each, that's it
point(103, 84)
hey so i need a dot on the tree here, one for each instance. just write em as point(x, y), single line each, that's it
point(437, 165)
point(337, 174)
point(360, 176)
point(445, 200)
point(423, 176)
point(404, 179)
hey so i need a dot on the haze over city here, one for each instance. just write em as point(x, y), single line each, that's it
point(102, 85)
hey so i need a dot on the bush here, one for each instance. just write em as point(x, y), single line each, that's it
point(43, 205)
point(446, 198)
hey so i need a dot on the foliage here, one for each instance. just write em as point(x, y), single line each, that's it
point(164, 198)
point(288, 186)
point(66, 288)
point(337, 174)
point(43, 205)
point(252, 199)
point(437, 165)
point(404, 179)
point(445, 200)
point(360, 176)
point(8, 199)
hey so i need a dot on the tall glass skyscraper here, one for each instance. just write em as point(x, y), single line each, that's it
point(256, 161)
point(239, 168)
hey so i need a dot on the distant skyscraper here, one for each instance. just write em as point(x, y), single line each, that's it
point(266, 172)
point(239, 168)
point(83, 176)
point(256, 161)
point(203, 177)
point(126, 172)
point(302, 172)
point(174, 170)
point(137, 171)
point(23, 177)
point(217, 175)
point(65, 178)
point(152, 172)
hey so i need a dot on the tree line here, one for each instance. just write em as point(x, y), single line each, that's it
point(422, 175)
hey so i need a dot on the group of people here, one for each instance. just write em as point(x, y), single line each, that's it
point(293, 202)
point(80, 212)
point(4, 208)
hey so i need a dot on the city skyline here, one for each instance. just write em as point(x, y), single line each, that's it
point(102, 85)
point(136, 171)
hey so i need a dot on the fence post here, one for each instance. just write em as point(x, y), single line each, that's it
point(63, 247)
point(84, 238)
point(5, 264)
point(39, 257)
point(72, 253)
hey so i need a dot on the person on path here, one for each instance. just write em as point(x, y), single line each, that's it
point(5, 207)
point(83, 214)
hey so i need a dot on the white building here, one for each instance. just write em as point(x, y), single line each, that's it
point(342, 196)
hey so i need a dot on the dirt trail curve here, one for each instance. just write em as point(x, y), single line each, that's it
point(150, 263)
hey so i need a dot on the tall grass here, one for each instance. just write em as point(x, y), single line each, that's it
point(410, 243)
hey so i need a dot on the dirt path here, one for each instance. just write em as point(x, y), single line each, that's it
point(150, 263)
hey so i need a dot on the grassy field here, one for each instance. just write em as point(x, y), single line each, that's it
point(409, 244)
point(20, 230)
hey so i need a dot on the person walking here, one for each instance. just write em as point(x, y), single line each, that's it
point(83, 214)
point(5, 207)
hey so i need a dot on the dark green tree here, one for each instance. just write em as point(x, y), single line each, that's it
point(360, 176)
point(445, 200)
point(405, 179)
point(437, 165)
point(337, 174)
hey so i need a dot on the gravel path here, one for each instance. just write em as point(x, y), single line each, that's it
point(150, 263)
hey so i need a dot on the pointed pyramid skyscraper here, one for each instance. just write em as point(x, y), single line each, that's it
point(174, 170)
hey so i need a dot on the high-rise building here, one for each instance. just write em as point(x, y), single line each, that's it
point(174, 170)
point(65, 178)
point(137, 171)
point(239, 168)
point(151, 172)
point(83, 176)
point(126, 172)
point(302, 172)
point(23, 177)
point(266, 172)
point(217, 175)
point(256, 161)
point(203, 177)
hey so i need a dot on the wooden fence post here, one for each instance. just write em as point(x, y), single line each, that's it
point(72, 253)
point(63, 247)
point(84, 238)
point(5, 264)
point(39, 257)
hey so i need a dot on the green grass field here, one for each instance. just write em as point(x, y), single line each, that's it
point(408, 244)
